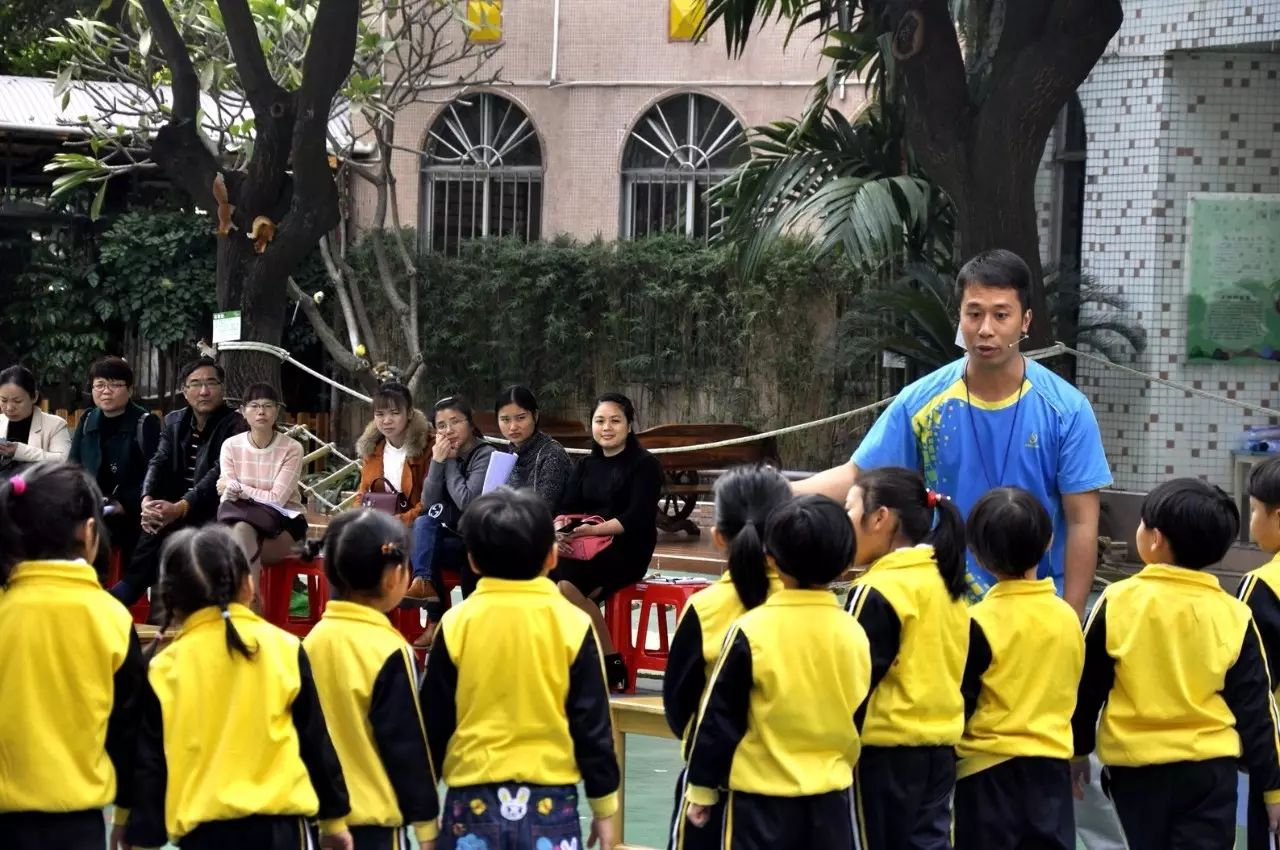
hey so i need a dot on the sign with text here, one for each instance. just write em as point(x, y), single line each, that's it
point(226, 327)
point(1233, 278)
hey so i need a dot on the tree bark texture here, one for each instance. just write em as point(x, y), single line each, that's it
point(981, 139)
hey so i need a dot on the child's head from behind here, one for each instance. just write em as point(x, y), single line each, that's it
point(745, 497)
point(1264, 504)
point(890, 507)
point(203, 568)
point(1187, 523)
point(1009, 531)
point(509, 535)
point(50, 511)
point(365, 558)
point(809, 539)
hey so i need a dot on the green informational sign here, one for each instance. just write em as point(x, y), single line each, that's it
point(1233, 279)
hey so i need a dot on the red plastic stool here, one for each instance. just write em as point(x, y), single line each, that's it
point(408, 621)
point(658, 596)
point(141, 609)
point(450, 579)
point(276, 589)
point(617, 614)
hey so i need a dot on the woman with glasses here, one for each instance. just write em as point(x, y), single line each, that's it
point(260, 471)
point(459, 461)
point(27, 433)
point(114, 441)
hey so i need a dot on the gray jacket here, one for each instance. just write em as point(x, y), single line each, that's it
point(455, 483)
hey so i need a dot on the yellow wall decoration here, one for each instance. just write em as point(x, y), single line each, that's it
point(686, 19)
point(486, 17)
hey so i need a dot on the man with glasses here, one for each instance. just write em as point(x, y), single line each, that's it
point(114, 441)
point(180, 488)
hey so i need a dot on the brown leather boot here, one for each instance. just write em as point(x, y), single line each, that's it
point(423, 641)
point(420, 592)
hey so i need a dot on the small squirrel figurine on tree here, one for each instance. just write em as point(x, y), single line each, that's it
point(225, 207)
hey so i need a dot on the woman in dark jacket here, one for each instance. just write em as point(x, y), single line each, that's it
point(114, 442)
point(619, 482)
point(459, 461)
point(541, 462)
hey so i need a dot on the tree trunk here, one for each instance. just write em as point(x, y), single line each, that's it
point(998, 211)
point(254, 285)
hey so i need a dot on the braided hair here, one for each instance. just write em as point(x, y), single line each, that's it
point(203, 567)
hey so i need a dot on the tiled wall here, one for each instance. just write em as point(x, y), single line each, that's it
point(1161, 127)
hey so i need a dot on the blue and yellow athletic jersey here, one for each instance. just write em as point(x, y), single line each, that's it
point(1047, 432)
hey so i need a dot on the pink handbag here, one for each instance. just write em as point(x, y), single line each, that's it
point(583, 548)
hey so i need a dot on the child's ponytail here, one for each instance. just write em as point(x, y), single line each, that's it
point(924, 516)
point(200, 568)
point(947, 539)
point(744, 498)
point(358, 547)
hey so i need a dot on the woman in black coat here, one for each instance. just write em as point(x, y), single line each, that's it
point(619, 482)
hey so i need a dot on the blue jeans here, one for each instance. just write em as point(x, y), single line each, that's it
point(435, 549)
point(511, 816)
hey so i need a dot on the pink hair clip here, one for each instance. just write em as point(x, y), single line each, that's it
point(19, 485)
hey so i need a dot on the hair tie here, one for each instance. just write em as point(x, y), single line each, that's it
point(933, 498)
point(226, 613)
point(19, 485)
point(391, 550)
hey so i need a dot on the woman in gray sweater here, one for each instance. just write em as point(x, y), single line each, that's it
point(459, 461)
point(541, 463)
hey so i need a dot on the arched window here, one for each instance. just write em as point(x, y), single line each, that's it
point(481, 174)
point(675, 153)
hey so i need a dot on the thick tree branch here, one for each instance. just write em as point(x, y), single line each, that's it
point(341, 355)
point(251, 65)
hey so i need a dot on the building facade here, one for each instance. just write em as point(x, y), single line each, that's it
point(611, 123)
point(1185, 100)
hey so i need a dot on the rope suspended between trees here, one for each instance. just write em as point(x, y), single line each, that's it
point(1040, 354)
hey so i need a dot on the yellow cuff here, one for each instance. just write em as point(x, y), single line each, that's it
point(333, 827)
point(700, 796)
point(119, 817)
point(427, 831)
point(606, 806)
point(1270, 797)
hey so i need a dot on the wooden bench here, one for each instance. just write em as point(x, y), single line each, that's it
point(684, 471)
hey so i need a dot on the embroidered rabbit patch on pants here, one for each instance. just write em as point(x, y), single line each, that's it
point(511, 817)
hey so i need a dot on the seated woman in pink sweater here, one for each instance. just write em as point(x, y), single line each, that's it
point(260, 469)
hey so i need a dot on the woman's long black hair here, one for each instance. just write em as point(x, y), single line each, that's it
point(903, 491)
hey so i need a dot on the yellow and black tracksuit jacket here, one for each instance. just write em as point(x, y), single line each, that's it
point(515, 692)
point(368, 684)
point(1180, 667)
point(919, 640)
point(1026, 653)
point(225, 737)
point(1260, 590)
point(778, 716)
point(71, 679)
point(695, 648)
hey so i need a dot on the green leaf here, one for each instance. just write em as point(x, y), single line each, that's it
point(95, 209)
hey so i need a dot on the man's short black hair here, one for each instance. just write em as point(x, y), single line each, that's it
point(202, 363)
point(1199, 520)
point(1264, 482)
point(111, 369)
point(508, 533)
point(998, 268)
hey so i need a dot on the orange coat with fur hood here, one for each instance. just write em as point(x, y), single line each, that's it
point(417, 444)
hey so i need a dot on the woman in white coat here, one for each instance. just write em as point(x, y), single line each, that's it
point(27, 433)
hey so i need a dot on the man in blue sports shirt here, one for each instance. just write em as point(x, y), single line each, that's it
point(996, 419)
point(993, 419)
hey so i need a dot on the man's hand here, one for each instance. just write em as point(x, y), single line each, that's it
point(1080, 776)
point(117, 838)
point(337, 841)
point(698, 815)
point(157, 513)
point(601, 834)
